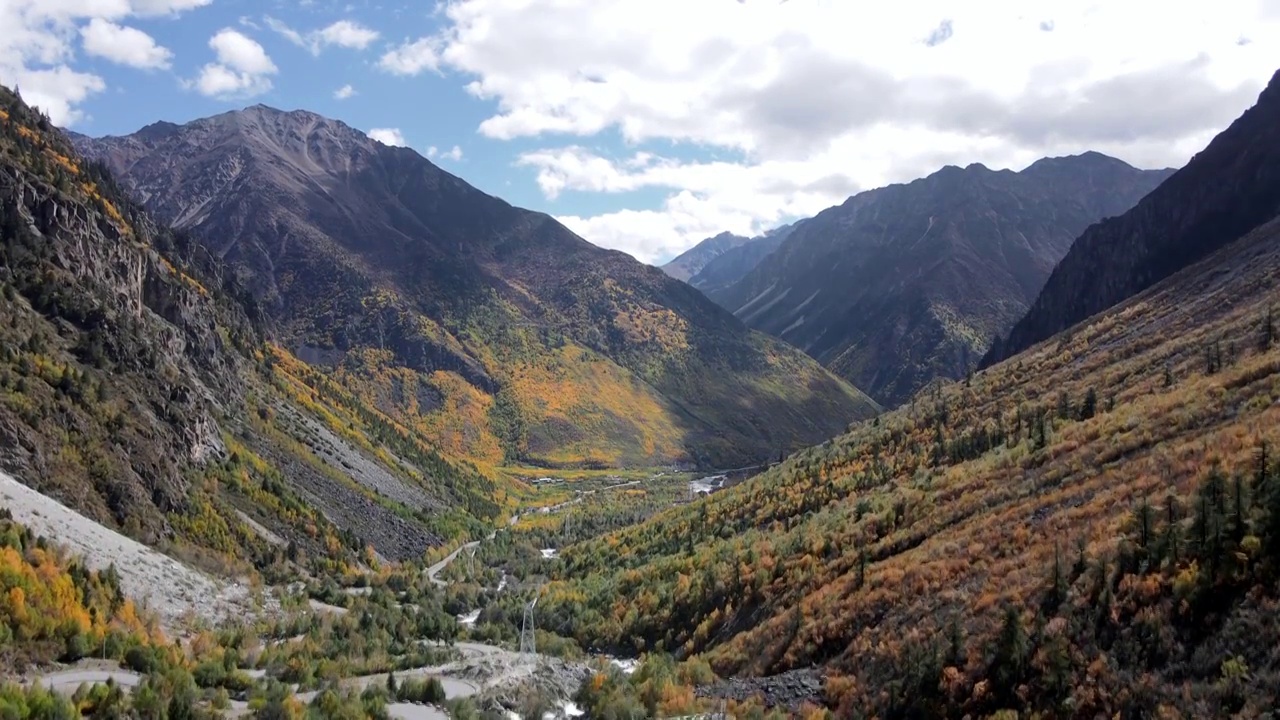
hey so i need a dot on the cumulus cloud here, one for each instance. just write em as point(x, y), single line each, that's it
point(345, 92)
point(242, 67)
point(37, 47)
point(816, 99)
point(343, 33)
point(388, 136)
point(454, 153)
point(124, 45)
point(57, 91)
point(412, 58)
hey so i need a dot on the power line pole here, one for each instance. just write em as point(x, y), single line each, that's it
point(527, 644)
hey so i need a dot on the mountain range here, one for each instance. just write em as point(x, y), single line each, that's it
point(691, 261)
point(723, 260)
point(1187, 218)
point(1088, 528)
point(492, 330)
point(906, 283)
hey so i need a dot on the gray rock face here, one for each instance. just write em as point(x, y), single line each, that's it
point(117, 360)
point(910, 282)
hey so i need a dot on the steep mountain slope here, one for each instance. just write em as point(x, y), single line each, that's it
point(868, 554)
point(490, 329)
point(730, 266)
point(136, 387)
point(910, 282)
point(691, 261)
point(1089, 528)
point(1227, 189)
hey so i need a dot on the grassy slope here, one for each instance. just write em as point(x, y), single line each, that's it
point(850, 548)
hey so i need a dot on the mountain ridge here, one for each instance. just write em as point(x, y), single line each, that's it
point(910, 282)
point(356, 247)
point(173, 421)
point(1090, 527)
point(731, 265)
point(1187, 217)
point(690, 262)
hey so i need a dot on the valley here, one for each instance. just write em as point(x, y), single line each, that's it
point(296, 423)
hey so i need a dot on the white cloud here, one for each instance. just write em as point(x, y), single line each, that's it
point(37, 47)
point(345, 92)
point(816, 98)
point(242, 67)
point(57, 91)
point(240, 52)
point(163, 7)
point(412, 58)
point(124, 45)
point(388, 136)
point(347, 34)
point(285, 31)
point(343, 33)
point(454, 153)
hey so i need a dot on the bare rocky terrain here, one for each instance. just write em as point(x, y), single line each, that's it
point(174, 592)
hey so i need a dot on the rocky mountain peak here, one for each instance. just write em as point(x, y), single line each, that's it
point(1226, 190)
point(370, 258)
point(905, 283)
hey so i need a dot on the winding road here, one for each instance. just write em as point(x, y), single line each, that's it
point(436, 569)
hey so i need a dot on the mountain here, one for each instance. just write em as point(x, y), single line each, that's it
point(691, 261)
point(1090, 528)
point(138, 386)
point(1227, 189)
point(490, 329)
point(909, 282)
point(731, 265)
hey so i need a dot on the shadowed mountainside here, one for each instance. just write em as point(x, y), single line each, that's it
point(1227, 189)
point(910, 282)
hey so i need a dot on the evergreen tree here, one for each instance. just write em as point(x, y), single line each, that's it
point(1090, 406)
point(955, 643)
point(1009, 659)
point(1057, 585)
point(1268, 334)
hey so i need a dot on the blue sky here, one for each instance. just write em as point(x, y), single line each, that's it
point(647, 125)
point(430, 110)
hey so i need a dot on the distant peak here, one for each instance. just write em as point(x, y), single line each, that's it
point(157, 130)
point(1088, 158)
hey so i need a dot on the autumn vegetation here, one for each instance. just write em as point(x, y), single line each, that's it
point(975, 550)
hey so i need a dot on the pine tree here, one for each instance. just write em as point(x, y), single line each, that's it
point(1268, 334)
point(1239, 523)
point(1090, 405)
point(955, 643)
point(1057, 585)
point(1012, 649)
